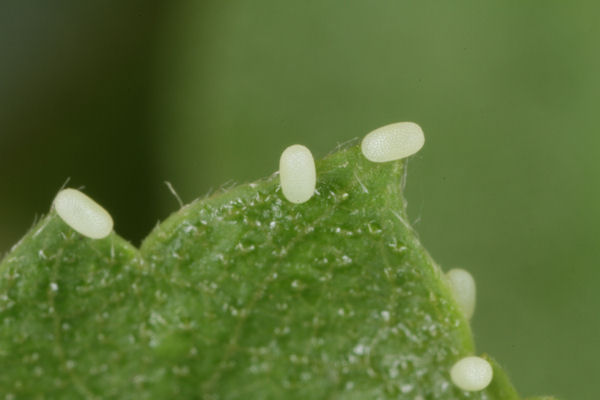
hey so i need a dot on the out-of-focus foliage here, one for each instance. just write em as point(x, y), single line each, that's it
point(505, 91)
point(75, 93)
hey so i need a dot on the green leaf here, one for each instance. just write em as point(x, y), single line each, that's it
point(242, 295)
point(542, 398)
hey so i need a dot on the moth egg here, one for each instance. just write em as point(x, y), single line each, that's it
point(83, 214)
point(297, 174)
point(393, 142)
point(472, 374)
point(463, 288)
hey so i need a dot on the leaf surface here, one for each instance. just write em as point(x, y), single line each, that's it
point(241, 295)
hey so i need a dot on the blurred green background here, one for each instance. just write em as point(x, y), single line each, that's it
point(121, 96)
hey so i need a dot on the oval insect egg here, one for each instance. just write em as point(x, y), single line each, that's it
point(297, 174)
point(472, 374)
point(463, 288)
point(393, 142)
point(83, 214)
